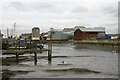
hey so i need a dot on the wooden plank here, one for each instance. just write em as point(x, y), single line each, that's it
point(24, 51)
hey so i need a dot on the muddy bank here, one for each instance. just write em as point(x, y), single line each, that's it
point(12, 60)
point(98, 47)
point(7, 74)
point(75, 70)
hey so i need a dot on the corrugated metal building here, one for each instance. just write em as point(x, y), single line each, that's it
point(89, 33)
point(60, 37)
point(57, 35)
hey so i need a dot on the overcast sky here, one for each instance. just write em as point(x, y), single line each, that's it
point(58, 14)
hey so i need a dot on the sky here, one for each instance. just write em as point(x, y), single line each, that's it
point(58, 14)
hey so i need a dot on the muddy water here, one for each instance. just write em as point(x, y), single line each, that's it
point(66, 56)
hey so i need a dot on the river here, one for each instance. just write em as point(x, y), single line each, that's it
point(104, 61)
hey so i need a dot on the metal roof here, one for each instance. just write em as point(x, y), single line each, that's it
point(96, 29)
point(68, 29)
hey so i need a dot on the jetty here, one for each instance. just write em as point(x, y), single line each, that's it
point(35, 51)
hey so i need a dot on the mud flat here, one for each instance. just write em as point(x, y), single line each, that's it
point(75, 70)
point(7, 74)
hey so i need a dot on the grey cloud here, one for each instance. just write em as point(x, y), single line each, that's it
point(119, 9)
point(111, 24)
point(51, 7)
point(80, 9)
point(19, 6)
point(111, 9)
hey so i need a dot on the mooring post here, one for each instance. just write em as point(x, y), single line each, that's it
point(49, 52)
point(17, 57)
point(35, 58)
point(40, 46)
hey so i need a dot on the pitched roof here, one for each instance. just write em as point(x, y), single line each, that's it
point(68, 29)
point(95, 29)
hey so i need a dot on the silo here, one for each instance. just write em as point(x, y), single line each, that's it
point(35, 33)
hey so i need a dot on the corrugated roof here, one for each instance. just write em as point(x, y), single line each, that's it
point(96, 29)
point(68, 29)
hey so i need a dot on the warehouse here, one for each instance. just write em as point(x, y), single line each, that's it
point(60, 37)
point(89, 33)
point(57, 35)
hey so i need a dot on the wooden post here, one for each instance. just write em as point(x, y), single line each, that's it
point(40, 45)
point(35, 58)
point(17, 57)
point(19, 44)
point(49, 52)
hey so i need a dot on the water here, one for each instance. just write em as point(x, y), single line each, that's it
point(106, 62)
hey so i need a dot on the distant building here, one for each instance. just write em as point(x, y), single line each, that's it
point(57, 35)
point(68, 29)
point(35, 33)
point(25, 38)
point(25, 35)
point(77, 27)
point(89, 33)
point(1, 36)
point(60, 37)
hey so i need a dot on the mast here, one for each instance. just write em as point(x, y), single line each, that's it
point(14, 29)
point(7, 32)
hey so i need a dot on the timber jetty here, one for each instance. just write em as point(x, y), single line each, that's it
point(35, 51)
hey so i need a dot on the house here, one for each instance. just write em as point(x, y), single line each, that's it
point(89, 33)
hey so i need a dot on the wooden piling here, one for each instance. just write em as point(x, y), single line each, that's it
point(17, 57)
point(49, 55)
point(35, 58)
point(49, 52)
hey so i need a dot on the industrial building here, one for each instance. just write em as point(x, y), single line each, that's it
point(60, 37)
point(89, 33)
point(35, 33)
point(57, 35)
point(68, 29)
